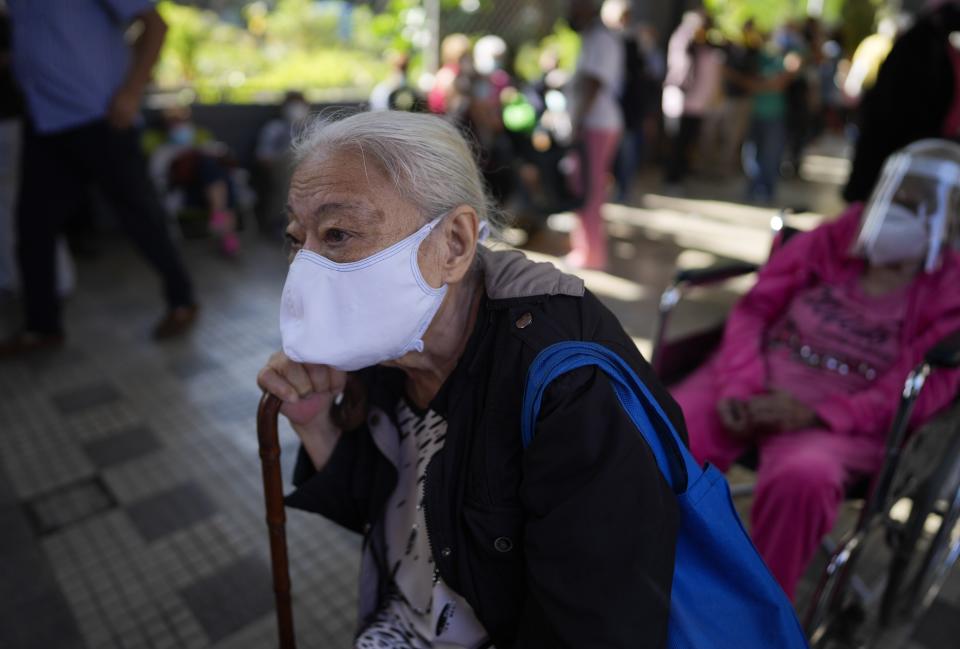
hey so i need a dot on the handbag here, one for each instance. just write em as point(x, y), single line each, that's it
point(723, 596)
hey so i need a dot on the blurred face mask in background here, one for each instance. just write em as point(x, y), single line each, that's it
point(902, 237)
point(912, 212)
point(182, 134)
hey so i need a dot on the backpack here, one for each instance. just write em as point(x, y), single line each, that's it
point(723, 596)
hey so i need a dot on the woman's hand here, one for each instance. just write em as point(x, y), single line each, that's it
point(735, 418)
point(308, 392)
point(779, 412)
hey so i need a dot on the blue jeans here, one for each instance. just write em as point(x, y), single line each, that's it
point(762, 154)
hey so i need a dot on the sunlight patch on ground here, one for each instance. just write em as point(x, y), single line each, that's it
point(825, 169)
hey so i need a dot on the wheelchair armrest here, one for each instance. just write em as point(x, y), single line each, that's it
point(714, 274)
point(946, 353)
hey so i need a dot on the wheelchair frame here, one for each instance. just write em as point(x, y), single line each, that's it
point(827, 614)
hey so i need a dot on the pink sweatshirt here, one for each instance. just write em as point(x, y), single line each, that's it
point(931, 312)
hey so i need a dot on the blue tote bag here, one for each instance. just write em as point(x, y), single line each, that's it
point(723, 596)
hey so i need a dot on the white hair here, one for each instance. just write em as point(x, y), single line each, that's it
point(426, 157)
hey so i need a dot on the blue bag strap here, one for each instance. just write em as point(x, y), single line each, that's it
point(676, 463)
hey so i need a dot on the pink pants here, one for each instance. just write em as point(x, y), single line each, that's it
point(800, 481)
point(589, 238)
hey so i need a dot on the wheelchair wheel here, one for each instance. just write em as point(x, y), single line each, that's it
point(930, 548)
point(827, 613)
point(905, 557)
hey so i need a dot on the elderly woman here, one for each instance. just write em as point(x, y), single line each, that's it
point(814, 357)
point(469, 541)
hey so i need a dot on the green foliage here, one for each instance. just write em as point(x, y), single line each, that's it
point(855, 17)
point(254, 50)
point(293, 45)
point(564, 41)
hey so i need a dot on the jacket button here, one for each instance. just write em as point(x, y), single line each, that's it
point(524, 321)
point(503, 544)
point(446, 552)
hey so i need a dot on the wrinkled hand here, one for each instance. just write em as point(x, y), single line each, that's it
point(307, 391)
point(735, 418)
point(124, 108)
point(779, 412)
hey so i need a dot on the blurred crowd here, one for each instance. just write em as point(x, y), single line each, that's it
point(693, 103)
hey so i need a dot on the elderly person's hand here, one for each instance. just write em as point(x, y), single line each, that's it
point(778, 412)
point(308, 392)
point(735, 418)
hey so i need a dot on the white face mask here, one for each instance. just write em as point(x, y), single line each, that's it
point(355, 315)
point(901, 237)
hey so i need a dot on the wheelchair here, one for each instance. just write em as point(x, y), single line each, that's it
point(881, 576)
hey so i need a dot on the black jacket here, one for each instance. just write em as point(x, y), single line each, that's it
point(567, 544)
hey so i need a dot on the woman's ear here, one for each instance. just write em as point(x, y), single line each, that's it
point(460, 231)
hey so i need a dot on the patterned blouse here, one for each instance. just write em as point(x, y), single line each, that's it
point(421, 611)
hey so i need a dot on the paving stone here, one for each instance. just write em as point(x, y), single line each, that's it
point(44, 622)
point(192, 365)
point(122, 447)
point(69, 504)
point(89, 396)
point(940, 627)
point(231, 598)
point(171, 511)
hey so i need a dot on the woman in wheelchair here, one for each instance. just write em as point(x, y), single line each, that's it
point(470, 540)
point(814, 357)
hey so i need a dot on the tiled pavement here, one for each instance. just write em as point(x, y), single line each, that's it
point(131, 510)
point(130, 503)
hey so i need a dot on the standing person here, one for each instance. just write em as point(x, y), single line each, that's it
point(916, 96)
point(451, 83)
point(598, 123)
point(83, 85)
point(692, 86)
point(767, 137)
point(616, 16)
point(655, 69)
point(740, 70)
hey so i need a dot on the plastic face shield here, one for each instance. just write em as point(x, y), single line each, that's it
point(912, 212)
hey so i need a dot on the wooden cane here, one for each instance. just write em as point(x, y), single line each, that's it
point(269, 440)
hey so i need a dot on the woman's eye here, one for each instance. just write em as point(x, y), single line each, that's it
point(292, 241)
point(335, 236)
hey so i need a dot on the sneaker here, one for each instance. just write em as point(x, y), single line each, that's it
point(176, 322)
point(28, 342)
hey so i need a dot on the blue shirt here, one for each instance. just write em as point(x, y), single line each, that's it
point(70, 56)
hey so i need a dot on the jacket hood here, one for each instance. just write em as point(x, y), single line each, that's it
point(508, 274)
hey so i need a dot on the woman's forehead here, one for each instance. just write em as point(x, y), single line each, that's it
point(342, 182)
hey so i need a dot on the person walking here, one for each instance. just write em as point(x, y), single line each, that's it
point(83, 85)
